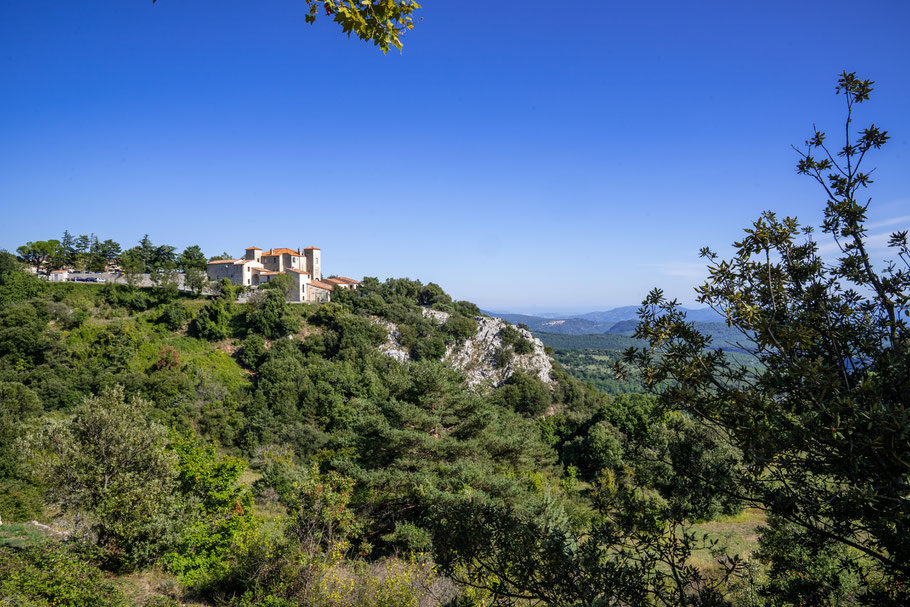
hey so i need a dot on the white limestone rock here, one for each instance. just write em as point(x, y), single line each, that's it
point(476, 356)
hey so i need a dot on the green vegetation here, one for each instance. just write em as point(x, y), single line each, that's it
point(266, 454)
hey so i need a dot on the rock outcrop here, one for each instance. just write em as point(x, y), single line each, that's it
point(476, 357)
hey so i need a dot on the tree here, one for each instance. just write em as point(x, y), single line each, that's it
point(823, 420)
point(270, 315)
point(381, 22)
point(634, 552)
point(195, 279)
point(43, 254)
point(192, 257)
point(15, 283)
point(110, 469)
point(214, 320)
point(132, 266)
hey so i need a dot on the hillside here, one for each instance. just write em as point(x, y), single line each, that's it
point(226, 448)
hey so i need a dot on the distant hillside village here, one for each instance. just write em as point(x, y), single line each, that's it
point(87, 259)
point(304, 266)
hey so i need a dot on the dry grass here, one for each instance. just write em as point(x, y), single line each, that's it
point(736, 534)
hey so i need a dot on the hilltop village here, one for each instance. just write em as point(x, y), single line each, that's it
point(304, 266)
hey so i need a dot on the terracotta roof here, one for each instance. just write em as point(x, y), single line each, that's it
point(281, 251)
point(347, 280)
point(59, 271)
point(297, 271)
point(311, 248)
point(321, 285)
point(242, 262)
point(251, 248)
point(268, 273)
point(222, 261)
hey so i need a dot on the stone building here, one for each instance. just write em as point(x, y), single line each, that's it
point(303, 266)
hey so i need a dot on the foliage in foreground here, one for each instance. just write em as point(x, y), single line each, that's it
point(823, 424)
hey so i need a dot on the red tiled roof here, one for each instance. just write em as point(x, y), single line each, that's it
point(223, 261)
point(311, 248)
point(268, 273)
point(59, 271)
point(251, 248)
point(281, 251)
point(297, 271)
point(347, 280)
point(321, 285)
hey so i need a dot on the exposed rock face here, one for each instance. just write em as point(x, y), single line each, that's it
point(392, 346)
point(476, 356)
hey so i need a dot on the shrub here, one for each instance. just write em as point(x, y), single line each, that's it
point(110, 469)
point(173, 316)
point(214, 320)
point(49, 574)
point(461, 328)
point(252, 351)
point(522, 346)
point(270, 315)
point(429, 348)
point(502, 357)
point(525, 394)
point(168, 358)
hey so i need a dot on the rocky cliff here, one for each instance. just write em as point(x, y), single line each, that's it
point(476, 357)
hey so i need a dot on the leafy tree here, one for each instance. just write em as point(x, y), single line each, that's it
point(219, 510)
point(43, 254)
point(271, 315)
point(133, 266)
point(195, 279)
point(252, 351)
point(823, 421)
point(192, 257)
point(15, 283)
point(525, 394)
point(108, 250)
point(432, 294)
point(214, 320)
point(381, 22)
point(633, 553)
point(110, 469)
point(173, 316)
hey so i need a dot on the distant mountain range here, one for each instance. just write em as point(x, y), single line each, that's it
point(614, 327)
point(617, 320)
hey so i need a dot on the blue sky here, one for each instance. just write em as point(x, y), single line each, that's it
point(527, 156)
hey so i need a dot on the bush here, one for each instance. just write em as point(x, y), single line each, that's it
point(49, 574)
point(214, 320)
point(173, 316)
point(109, 468)
point(270, 315)
point(432, 295)
point(522, 346)
point(461, 328)
point(429, 348)
point(252, 351)
point(502, 356)
point(525, 394)
point(509, 334)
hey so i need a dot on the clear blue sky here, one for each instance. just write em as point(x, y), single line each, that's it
point(528, 156)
